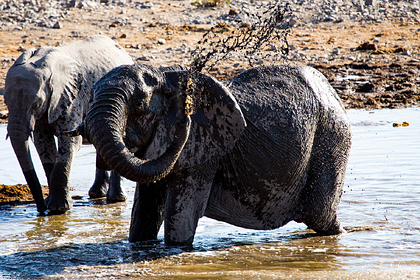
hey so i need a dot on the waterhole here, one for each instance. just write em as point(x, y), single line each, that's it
point(380, 209)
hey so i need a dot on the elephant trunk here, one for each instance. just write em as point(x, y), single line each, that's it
point(19, 139)
point(104, 127)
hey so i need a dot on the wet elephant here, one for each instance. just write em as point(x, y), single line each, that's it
point(48, 91)
point(262, 148)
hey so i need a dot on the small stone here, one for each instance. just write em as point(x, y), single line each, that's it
point(57, 25)
point(161, 41)
point(142, 58)
point(233, 12)
point(370, 2)
point(368, 87)
point(4, 114)
point(406, 52)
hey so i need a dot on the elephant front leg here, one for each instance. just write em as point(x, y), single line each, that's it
point(100, 185)
point(105, 185)
point(188, 192)
point(59, 199)
point(147, 212)
point(116, 190)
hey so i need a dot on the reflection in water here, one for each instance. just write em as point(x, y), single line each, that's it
point(380, 208)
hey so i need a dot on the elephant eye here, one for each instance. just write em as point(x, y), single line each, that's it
point(37, 105)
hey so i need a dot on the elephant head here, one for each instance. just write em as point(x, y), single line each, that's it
point(140, 109)
point(41, 83)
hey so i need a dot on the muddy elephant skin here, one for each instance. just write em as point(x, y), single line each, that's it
point(263, 148)
point(48, 91)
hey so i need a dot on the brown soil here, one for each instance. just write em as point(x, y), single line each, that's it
point(17, 194)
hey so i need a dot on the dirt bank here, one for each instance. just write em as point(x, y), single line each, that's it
point(17, 194)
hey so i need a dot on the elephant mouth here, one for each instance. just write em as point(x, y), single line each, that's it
point(139, 144)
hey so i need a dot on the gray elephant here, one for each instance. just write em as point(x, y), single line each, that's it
point(48, 91)
point(265, 147)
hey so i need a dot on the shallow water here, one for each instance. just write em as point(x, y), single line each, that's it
point(380, 208)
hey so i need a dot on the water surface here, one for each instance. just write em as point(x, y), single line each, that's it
point(380, 208)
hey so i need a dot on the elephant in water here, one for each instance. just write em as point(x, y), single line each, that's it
point(265, 147)
point(48, 91)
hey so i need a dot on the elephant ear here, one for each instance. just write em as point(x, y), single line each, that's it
point(24, 57)
point(64, 83)
point(217, 121)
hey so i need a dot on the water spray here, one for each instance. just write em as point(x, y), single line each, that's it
point(253, 40)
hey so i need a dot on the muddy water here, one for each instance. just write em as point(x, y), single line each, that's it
point(380, 208)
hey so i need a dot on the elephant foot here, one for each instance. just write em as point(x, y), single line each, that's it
point(116, 194)
point(100, 186)
point(116, 197)
point(334, 229)
point(59, 201)
point(98, 191)
point(116, 190)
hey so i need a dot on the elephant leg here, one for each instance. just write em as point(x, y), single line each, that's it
point(45, 145)
point(100, 185)
point(324, 187)
point(187, 196)
point(59, 199)
point(116, 190)
point(147, 212)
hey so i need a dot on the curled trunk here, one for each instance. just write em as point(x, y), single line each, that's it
point(104, 127)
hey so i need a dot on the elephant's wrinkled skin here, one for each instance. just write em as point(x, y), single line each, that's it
point(48, 91)
point(264, 147)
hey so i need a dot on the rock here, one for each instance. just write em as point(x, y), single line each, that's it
point(367, 87)
point(161, 41)
point(406, 52)
point(367, 46)
point(233, 12)
point(4, 114)
point(370, 2)
point(57, 25)
point(142, 58)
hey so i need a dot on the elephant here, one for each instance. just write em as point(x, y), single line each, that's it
point(265, 147)
point(48, 91)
